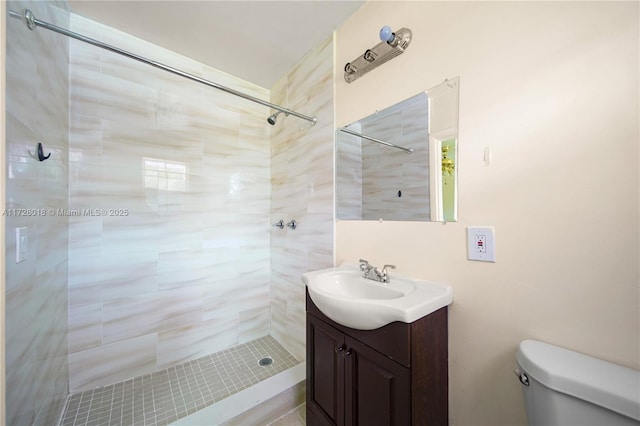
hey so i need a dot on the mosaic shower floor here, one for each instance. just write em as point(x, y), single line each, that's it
point(165, 396)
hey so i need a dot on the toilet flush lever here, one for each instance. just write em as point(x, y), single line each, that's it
point(522, 376)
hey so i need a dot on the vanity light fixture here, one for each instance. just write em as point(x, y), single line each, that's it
point(392, 45)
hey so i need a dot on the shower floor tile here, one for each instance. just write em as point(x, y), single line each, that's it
point(165, 396)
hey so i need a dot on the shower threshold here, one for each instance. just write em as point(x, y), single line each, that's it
point(211, 383)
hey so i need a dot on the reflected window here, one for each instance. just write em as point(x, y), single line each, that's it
point(165, 175)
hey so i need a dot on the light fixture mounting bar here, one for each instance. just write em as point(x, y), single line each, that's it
point(378, 55)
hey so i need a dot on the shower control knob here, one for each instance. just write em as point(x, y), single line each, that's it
point(279, 224)
point(293, 224)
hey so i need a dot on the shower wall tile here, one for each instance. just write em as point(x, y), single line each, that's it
point(85, 234)
point(394, 170)
point(51, 359)
point(373, 188)
point(93, 279)
point(21, 390)
point(301, 189)
point(185, 268)
point(113, 363)
point(248, 293)
point(349, 176)
point(85, 327)
point(190, 342)
point(216, 300)
point(176, 262)
point(37, 110)
point(105, 100)
point(254, 322)
point(145, 314)
point(241, 85)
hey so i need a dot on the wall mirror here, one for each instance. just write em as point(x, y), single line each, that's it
point(401, 163)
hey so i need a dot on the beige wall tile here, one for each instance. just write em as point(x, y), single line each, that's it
point(190, 166)
point(184, 175)
point(301, 189)
point(111, 363)
point(36, 290)
point(182, 344)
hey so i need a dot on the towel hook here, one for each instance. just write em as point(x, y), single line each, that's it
point(41, 156)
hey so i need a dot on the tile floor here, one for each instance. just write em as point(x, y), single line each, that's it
point(295, 417)
point(165, 396)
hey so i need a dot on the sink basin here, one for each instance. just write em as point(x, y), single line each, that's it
point(343, 295)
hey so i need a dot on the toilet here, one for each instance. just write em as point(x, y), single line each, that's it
point(563, 387)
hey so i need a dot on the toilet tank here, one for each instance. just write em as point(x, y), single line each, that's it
point(563, 387)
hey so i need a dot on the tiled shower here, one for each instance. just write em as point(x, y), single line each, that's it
point(180, 260)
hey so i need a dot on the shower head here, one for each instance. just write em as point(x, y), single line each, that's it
point(272, 118)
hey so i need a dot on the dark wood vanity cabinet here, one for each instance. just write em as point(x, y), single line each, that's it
point(395, 375)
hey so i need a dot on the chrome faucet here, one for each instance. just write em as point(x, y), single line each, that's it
point(372, 273)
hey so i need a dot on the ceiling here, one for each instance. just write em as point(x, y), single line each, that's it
point(257, 41)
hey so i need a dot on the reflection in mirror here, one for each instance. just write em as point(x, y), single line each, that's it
point(401, 163)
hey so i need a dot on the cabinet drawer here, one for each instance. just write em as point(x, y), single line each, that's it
point(393, 340)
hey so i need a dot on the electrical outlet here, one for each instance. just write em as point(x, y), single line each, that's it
point(481, 243)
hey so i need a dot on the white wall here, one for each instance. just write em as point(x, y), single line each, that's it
point(552, 89)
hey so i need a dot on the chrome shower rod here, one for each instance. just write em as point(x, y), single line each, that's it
point(351, 132)
point(32, 22)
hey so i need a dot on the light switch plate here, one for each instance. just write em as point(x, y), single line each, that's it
point(22, 244)
point(481, 243)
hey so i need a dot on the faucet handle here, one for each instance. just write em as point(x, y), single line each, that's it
point(384, 275)
point(384, 268)
point(363, 264)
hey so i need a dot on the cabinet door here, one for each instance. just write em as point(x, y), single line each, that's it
point(325, 374)
point(377, 389)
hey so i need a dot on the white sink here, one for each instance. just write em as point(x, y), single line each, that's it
point(343, 295)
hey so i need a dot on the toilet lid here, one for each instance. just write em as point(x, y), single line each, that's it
point(600, 382)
